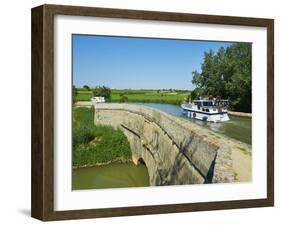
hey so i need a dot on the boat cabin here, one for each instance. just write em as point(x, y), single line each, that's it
point(204, 105)
point(213, 110)
point(97, 99)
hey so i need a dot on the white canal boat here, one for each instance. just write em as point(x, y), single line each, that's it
point(95, 100)
point(206, 110)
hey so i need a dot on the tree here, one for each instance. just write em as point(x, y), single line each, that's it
point(124, 98)
point(87, 87)
point(226, 73)
point(102, 91)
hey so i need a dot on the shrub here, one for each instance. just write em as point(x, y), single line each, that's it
point(124, 99)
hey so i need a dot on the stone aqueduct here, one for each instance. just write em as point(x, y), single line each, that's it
point(174, 150)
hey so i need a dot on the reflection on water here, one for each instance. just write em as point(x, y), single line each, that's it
point(113, 175)
point(239, 128)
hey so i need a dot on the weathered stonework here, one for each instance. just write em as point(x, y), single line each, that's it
point(174, 150)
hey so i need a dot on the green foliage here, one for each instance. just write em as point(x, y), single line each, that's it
point(96, 144)
point(196, 93)
point(102, 91)
point(83, 95)
point(156, 96)
point(123, 98)
point(151, 96)
point(82, 126)
point(86, 87)
point(226, 73)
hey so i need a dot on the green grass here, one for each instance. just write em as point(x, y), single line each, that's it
point(83, 95)
point(96, 144)
point(168, 97)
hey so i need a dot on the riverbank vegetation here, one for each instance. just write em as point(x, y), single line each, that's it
point(128, 95)
point(93, 144)
point(227, 73)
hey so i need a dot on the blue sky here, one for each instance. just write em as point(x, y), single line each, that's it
point(137, 63)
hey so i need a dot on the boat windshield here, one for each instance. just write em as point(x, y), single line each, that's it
point(208, 104)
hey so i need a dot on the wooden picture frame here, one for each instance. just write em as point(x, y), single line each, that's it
point(42, 203)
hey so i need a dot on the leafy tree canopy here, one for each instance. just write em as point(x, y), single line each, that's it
point(86, 87)
point(226, 73)
point(102, 91)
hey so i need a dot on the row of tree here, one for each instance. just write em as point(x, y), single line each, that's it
point(226, 73)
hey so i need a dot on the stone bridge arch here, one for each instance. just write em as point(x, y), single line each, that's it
point(175, 151)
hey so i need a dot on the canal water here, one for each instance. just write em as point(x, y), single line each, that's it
point(120, 175)
point(239, 128)
point(113, 175)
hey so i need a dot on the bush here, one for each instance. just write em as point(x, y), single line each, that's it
point(102, 91)
point(124, 99)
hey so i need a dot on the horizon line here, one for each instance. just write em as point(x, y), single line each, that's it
point(92, 87)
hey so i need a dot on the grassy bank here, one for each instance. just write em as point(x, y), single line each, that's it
point(96, 144)
point(155, 96)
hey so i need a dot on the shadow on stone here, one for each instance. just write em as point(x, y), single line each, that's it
point(210, 174)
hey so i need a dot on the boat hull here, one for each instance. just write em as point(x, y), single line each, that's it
point(204, 116)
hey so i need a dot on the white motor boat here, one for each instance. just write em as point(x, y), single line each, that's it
point(207, 110)
point(95, 100)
